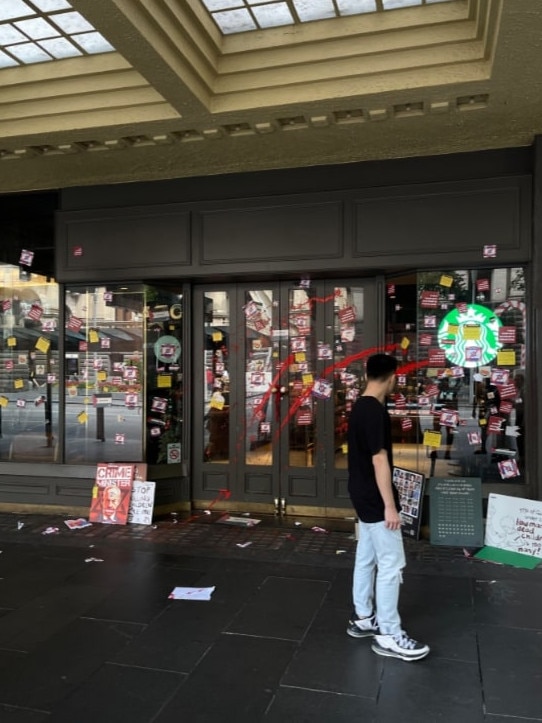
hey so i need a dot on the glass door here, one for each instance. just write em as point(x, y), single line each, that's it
point(281, 366)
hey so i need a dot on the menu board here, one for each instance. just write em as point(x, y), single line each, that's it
point(410, 486)
point(455, 512)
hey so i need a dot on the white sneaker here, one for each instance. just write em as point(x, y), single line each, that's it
point(361, 627)
point(399, 646)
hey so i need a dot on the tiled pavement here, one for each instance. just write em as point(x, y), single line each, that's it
point(100, 642)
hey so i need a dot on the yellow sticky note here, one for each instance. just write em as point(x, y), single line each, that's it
point(471, 332)
point(163, 381)
point(452, 329)
point(43, 344)
point(446, 280)
point(93, 336)
point(344, 448)
point(300, 356)
point(307, 379)
point(101, 376)
point(217, 336)
point(506, 357)
point(4, 401)
point(431, 438)
point(217, 403)
point(405, 343)
point(82, 417)
point(11, 341)
point(86, 400)
point(18, 383)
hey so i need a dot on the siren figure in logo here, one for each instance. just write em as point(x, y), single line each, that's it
point(470, 338)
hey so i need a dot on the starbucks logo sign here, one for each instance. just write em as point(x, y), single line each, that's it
point(470, 337)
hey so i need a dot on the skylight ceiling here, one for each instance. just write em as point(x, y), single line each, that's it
point(240, 16)
point(39, 31)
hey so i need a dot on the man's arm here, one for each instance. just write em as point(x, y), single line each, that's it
point(383, 480)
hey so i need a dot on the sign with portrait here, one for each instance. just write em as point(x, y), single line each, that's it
point(410, 486)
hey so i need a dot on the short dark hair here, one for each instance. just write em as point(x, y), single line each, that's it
point(381, 366)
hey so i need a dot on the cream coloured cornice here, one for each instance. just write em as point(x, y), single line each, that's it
point(179, 99)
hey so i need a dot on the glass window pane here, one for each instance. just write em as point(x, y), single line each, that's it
point(458, 409)
point(302, 378)
point(29, 367)
point(216, 413)
point(104, 368)
point(260, 432)
point(348, 357)
point(164, 377)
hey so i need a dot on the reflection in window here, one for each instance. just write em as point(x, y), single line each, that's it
point(458, 410)
point(216, 433)
point(28, 366)
point(123, 377)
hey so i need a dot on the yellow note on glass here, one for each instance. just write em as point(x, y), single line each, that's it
point(307, 380)
point(43, 344)
point(217, 336)
point(506, 357)
point(471, 332)
point(299, 357)
point(82, 417)
point(93, 336)
point(431, 438)
point(11, 341)
point(163, 381)
point(4, 401)
point(446, 280)
point(405, 343)
point(452, 329)
point(102, 376)
point(18, 383)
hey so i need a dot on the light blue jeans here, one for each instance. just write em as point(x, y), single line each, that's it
point(380, 559)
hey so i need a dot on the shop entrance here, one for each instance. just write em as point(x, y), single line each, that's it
point(277, 367)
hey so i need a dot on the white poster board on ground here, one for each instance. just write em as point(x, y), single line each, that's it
point(141, 503)
point(514, 524)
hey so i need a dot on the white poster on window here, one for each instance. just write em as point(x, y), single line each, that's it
point(514, 524)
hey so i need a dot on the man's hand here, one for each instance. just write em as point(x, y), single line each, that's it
point(392, 518)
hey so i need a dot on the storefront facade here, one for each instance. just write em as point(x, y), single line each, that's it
point(216, 329)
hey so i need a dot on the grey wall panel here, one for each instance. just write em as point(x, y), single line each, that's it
point(442, 220)
point(287, 232)
point(119, 244)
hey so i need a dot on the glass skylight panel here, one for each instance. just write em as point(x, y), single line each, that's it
point(29, 53)
point(271, 16)
point(235, 21)
point(7, 61)
point(213, 5)
point(356, 7)
point(60, 48)
point(395, 4)
point(10, 35)
point(49, 6)
point(237, 16)
point(308, 10)
point(37, 31)
point(72, 23)
point(14, 9)
point(37, 28)
point(93, 43)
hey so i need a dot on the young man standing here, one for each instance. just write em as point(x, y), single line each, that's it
point(380, 555)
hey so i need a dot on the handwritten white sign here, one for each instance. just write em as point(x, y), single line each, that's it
point(141, 503)
point(514, 524)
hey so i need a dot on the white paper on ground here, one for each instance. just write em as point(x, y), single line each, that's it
point(191, 593)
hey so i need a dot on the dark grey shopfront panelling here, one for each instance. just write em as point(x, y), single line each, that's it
point(444, 219)
point(119, 244)
point(272, 232)
point(401, 226)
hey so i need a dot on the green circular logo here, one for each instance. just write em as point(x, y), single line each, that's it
point(470, 337)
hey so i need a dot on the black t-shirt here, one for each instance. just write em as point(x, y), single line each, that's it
point(369, 431)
